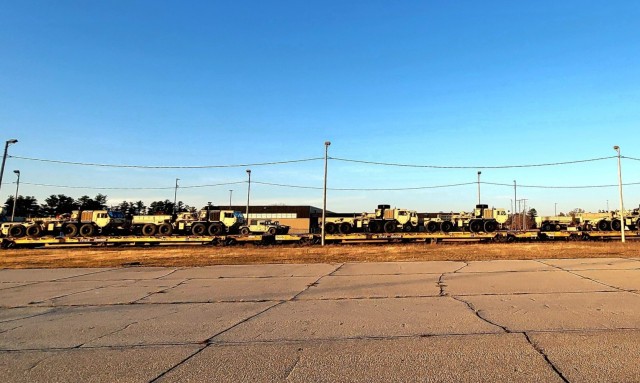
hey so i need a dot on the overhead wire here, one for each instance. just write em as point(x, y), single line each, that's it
point(167, 166)
point(471, 167)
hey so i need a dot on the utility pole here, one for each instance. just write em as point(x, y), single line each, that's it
point(4, 157)
point(248, 194)
point(324, 194)
point(622, 226)
point(175, 196)
point(479, 172)
point(230, 194)
point(15, 199)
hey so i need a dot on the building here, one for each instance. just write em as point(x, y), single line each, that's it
point(301, 219)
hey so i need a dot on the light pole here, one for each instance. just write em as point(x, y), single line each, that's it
point(479, 187)
point(324, 191)
point(555, 209)
point(515, 199)
point(617, 149)
point(248, 194)
point(15, 199)
point(230, 194)
point(4, 157)
point(175, 196)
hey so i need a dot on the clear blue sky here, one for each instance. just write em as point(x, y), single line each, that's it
point(465, 83)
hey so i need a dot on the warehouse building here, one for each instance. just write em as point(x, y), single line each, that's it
point(301, 219)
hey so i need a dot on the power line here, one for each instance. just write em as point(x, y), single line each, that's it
point(364, 189)
point(166, 166)
point(471, 167)
point(133, 188)
point(560, 187)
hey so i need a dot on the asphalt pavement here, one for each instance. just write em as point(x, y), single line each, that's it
point(575, 320)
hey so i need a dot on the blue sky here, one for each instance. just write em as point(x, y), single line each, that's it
point(462, 83)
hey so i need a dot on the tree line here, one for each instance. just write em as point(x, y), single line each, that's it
point(57, 204)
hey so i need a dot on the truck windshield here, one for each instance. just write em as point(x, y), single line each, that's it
point(238, 214)
point(116, 214)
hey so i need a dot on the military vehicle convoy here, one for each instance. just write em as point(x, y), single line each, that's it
point(85, 223)
point(204, 222)
point(387, 220)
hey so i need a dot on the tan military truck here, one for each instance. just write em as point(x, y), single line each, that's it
point(481, 219)
point(209, 221)
point(86, 223)
point(384, 219)
point(267, 227)
point(553, 223)
point(149, 225)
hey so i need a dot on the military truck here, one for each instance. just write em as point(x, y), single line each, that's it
point(209, 221)
point(481, 219)
point(149, 225)
point(86, 223)
point(553, 223)
point(384, 219)
point(264, 227)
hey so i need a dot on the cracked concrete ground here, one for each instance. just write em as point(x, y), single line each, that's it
point(548, 320)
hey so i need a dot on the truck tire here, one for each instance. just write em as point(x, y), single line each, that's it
point(165, 229)
point(198, 229)
point(34, 231)
point(407, 228)
point(17, 231)
point(475, 225)
point(616, 225)
point(558, 227)
point(245, 230)
point(330, 228)
point(446, 226)
point(271, 231)
point(546, 227)
point(432, 226)
point(390, 227)
point(70, 230)
point(490, 226)
point(149, 229)
point(216, 229)
point(604, 225)
point(375, 227)
point(345, 228)
point(87, 230)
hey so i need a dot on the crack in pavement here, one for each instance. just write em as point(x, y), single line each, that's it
point(546, 358)
point(316, 282)
point(137, 301)
point(572, 272)
point(178, 364)
point(295, 364)
point(477, 313)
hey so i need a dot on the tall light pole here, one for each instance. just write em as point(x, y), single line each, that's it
point(324, 191)
point(555, 209)
point(479, 187)
point(15, 199)
point(617, 149)
point(515, 200)
point(175, 196)
point(4, 157)
point(248, 194)
point(230, 194)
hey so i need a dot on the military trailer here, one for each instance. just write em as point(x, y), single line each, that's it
point(85, 223)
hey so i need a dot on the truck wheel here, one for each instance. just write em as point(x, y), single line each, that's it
point(198, 229)
point(165, 229)
point(245, 230)
point(546, 227)
point(616, 225)
point(330, 228)
point(87, 230)
point(490, 226)
point(149, 229)
point(389, 227)
point(375, 226)
point(446, 226)
point(70, 230)
point(271, 231)
point(345, 228)
point(432, 227)
point(558, 227)
point(407, 228)
point(604, 225)
point(17, 231)
point(216, 229)
point(475, 225)
point(34, 231)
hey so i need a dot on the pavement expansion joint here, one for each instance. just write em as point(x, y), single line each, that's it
point(314, 284)
point(163, 291)
point(546, 358)
point(539, 293)
point(598, 282)
point(477, 313)
point(178, 364)
point(210, 339)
